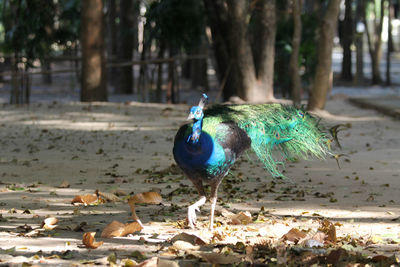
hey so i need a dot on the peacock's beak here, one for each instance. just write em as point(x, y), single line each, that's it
point(191, 116)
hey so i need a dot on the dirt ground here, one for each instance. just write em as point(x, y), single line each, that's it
point(50, 153)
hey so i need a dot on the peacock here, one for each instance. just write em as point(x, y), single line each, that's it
point(206, 147)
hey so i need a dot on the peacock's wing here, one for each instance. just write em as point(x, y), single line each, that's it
point(271, 127)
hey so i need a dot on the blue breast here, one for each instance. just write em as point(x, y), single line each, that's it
point(205, 158)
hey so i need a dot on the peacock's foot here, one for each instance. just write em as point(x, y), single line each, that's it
point(192, 218)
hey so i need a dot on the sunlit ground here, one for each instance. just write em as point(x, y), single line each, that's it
point(127, 146)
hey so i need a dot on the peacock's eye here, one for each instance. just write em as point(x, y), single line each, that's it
point(301, 114)
point(277, 135)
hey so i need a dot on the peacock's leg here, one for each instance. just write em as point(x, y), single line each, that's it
point(213, 199)
point(195, 207)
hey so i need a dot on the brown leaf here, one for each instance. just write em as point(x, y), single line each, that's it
point(319, 237)
point(64, 184)
point(383, 260)
point(85, 199)
point(117, 229)
point(190, 238)
point(225, 213)
point(294, 235)
point(143, 198)
point(241, 218)
point(329, 229)
point(335, 256)
point(109, 197)
point(217, 258)
point(146, 198)
point(49, 223)
point(316, 240)
point(89, 242)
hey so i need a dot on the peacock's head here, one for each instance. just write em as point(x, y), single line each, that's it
point(196, 112)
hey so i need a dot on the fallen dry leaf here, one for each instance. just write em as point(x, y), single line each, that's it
point(218, 258)
point(109, 196)
point(316, 240)
point(190, 238)
point(225, 213)
point(241, 218)
point(294, 235)
point(49, 223)
point(337, 255)
point(118, 229)
point(89, 242)
point(329, 229)
point(64, 184)
point(143, 198)
point(183, 245)
point(85, 199)
point(167, 263)
point(146, 198)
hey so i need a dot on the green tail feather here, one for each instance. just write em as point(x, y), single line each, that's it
point(271, 127)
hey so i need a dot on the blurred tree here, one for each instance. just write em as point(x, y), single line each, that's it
point(374, 36)
point(218, 21)
point(247, 65)
point(294, 58)
point(34, 30)
point(175, 25)
point(389, 41)
point(93, 82)
point(124, 82)
point(323, 76)
point(29, 36)
point(111, 38)
point(359, 41)
point(68, 30)
point(285, 51)
point(283, 48)
point(346, 39)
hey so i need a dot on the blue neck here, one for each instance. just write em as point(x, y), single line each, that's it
point(196, 131)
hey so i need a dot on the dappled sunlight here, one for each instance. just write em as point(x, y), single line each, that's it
point(127, 149)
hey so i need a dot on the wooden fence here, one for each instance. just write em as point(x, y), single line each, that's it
point(20, 79)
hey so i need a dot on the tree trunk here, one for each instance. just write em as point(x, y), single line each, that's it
point(124, 83)
point(218, 19)
point(93, 80)
point(15, 76)
point(112, 39)
point(346, 41)
point(240, 51)
point(46, 67)
point(389, 42)
point(171, 77)
point(160, 72)
point(294, 58)
point(237, 71)
point(263, 51)
point(375, 44)
point(323, 76)
point(198, 66)
point(359, 42)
